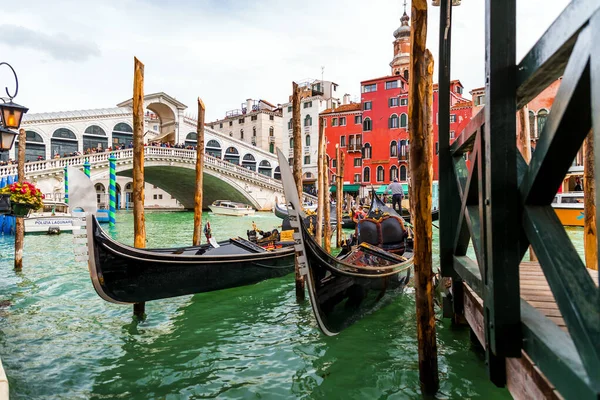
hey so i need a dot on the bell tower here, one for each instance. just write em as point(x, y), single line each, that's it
point(401, 59)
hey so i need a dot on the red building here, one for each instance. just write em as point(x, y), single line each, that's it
point(384, 108)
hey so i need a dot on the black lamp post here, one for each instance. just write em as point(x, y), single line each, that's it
point(10, 114)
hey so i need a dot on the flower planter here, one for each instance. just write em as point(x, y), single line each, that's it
point(20, 210)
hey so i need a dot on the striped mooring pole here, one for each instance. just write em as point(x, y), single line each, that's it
point(66, 186)
point(86, 167)
point(112, 189)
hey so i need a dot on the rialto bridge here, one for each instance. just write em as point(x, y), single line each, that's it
point(234, 170)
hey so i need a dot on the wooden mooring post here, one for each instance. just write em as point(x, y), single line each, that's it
point(420, 105)
point(339, 178)
point(198, 194)
point(139, 223)
point(19, 221)
point(297, 169)
point(589, 204)
point(524, 145)
point(321, 189)
point(326, 206)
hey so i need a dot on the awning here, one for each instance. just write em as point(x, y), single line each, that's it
point(347, 188)
point(382, 188)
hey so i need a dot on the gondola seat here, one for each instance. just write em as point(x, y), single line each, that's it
point(369, 231)
point(393, 234)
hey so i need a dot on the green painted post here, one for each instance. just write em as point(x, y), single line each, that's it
point(112, 189)
point(66, 185)
point(86, 167)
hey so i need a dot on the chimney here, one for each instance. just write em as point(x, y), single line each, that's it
point(249, 105)
point(346, 99)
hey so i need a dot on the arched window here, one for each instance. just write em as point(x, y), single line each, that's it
point(191, 139)
point(532, 124)
point(380, 174)
point(308, 120)
point(122, 134)
point(265, 168)
point(393, 149)
point(403, 173)
point(291, 143)
point(290, 127)
point(367, 174)
point(271, 131)
point(367, 124)
point(254, 131)
point(406, 74)
point(213, 148)
point(35, 149)
point(129, 186)
point(63, 142)
point(403, 149)
point(541, 120)
point(249, 162)
point(367, 151)
point(403, 120)
point(94, 137)
point(393, 121)
point(393, 173)
point(277, 173)
point(101, 197)
point(307, 140)
point(95, 130)
point(232, 155)
point(241, 134)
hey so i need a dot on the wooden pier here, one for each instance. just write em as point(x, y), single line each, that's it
point(539, 322)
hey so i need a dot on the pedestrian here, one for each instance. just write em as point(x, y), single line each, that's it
point(578, 187)
point(397, 194)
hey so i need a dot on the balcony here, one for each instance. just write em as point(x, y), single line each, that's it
point(354, 148)
point(306, 149)
point(271, 139)
point(290, 132)
point(291, 153)
point(307, 129)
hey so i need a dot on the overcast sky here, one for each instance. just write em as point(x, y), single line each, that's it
point(78, 54)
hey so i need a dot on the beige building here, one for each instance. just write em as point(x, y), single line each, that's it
point(257, 122)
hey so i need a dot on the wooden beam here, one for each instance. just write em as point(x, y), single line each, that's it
point(321, 189)
point(198, 193)
point(327, 206)
point(297, 170)
point(420, 106)
point(19, 221)
point(339, 196)
point(139, 222)
point(589, 207)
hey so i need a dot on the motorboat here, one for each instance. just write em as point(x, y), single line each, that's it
point(226, 207)
point(53, 218)
point(569, 208)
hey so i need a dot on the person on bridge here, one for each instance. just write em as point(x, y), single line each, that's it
point(397, 194)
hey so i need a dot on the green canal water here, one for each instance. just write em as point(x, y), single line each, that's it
point(59, 340)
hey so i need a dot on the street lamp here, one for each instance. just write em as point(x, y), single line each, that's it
point(10, 115)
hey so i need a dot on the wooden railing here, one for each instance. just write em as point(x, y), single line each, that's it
point(501, 205)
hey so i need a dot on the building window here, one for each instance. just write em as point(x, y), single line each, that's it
point(271, 118)
point(254, 131)
point(403, 120)
point(367, 125)
point(452, 135)
point(221, 125)
point(306, 160)
point(459, 89)
point(241, 120)
point(333, 163)
point(542, 116)
point(307, 140)
point(380, 174)
point(393, 149)
point(342, 121)
point(367, 105)
point(367, 175)
point(230, 123)
point(291, 143)
point(356, 178)
point(393, 121)
point(358, 162)
point(155, 197)
point(367, 151)
point(358, 119)
point(393, 173)
point(342, 141)
point(391, 85)
point(308, 104)
point(452, 118)
point(253, 117)
point(271, 131)
point(230, 134)
point(405, 74)
point(393, 102)
point(370, 88)
point(289, 108)
point(334, 122)
point(160, 196)
point(403, 102)
point(308, 121)
point(403, 173)
point(532, 124)
point(241, 134)
point(437, 147)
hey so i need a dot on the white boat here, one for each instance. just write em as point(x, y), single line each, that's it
point(226, 207)
point(52, 218)
point(569, 208)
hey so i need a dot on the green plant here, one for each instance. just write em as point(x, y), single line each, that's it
point(24, 193)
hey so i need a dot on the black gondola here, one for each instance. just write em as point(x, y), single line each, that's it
point(281, 211)
point(124, 274)
point(343, 289)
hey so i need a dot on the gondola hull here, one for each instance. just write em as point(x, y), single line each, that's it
point(124, 274)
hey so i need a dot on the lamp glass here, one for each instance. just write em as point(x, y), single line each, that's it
point(7, 138)
point(12, 114)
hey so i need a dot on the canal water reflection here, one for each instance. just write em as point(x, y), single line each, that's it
point(58, 339)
